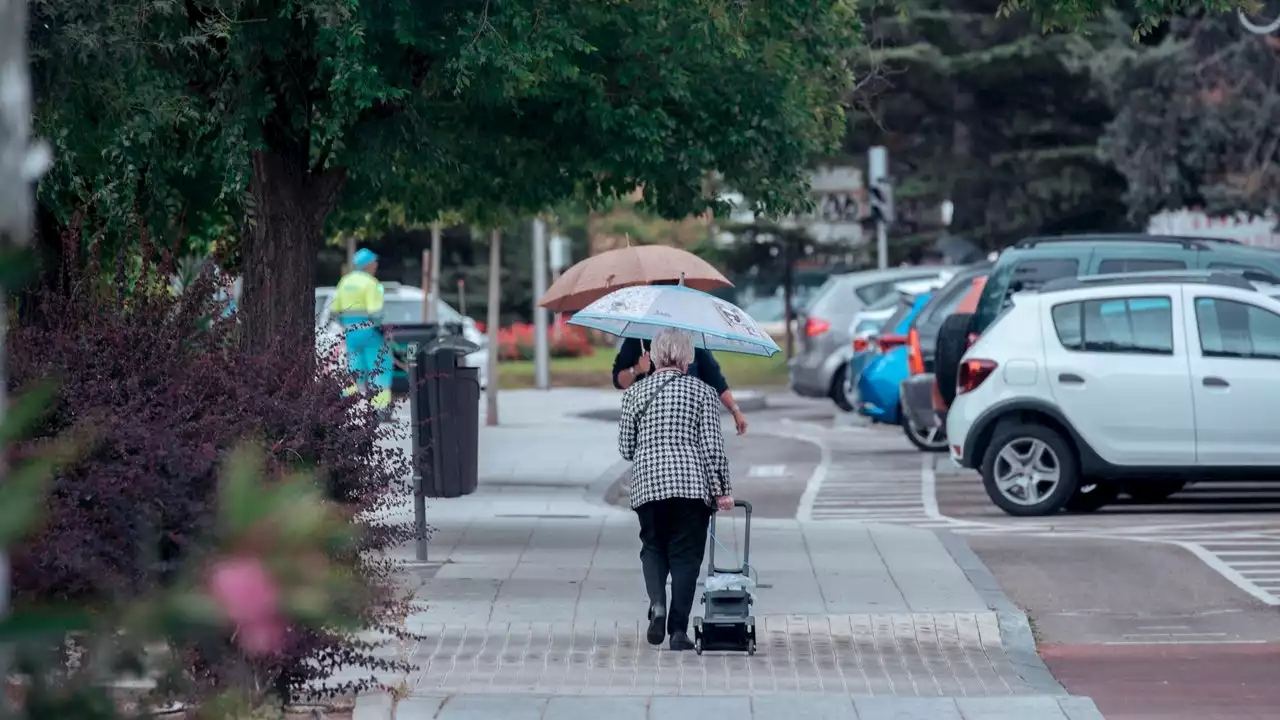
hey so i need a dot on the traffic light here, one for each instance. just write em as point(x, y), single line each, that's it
point(881, 197)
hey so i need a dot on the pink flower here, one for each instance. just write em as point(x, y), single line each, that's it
point(247, 593)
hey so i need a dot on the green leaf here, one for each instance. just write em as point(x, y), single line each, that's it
point(23, 413)
point(240, 499)
point(43, 623)
point(22, 498)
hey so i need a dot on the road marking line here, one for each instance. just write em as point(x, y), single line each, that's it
point(819, 475)
point(1228, 572)
point(1186, 642)
point(767, 471)
point(929, 488)
point(1249, 553)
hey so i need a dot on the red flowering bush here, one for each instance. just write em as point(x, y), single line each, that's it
point(155, 391)
point(515, 342)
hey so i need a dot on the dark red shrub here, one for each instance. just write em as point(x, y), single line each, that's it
point(156, 391)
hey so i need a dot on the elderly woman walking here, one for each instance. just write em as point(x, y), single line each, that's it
point(670, 431)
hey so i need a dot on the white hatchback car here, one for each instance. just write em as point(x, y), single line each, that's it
point(1153, 379)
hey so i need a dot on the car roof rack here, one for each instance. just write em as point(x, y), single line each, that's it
point(1243, 280)
point(1194, 243)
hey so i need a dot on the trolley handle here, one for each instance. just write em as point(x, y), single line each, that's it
point(746, 542)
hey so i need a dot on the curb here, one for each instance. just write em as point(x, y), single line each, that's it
point(1015, 630)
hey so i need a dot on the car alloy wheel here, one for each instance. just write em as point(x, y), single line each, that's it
point(932, 439)
point(1027, 471)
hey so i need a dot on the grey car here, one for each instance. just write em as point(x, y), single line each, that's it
point(822, 358)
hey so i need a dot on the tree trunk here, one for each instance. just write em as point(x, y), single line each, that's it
point(495, 296)
point(286, 225)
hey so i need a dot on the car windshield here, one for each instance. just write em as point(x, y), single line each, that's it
point(410, 311)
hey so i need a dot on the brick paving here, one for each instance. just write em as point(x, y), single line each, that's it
point(914, 655)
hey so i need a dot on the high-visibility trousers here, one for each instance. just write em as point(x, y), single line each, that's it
point(369, 360)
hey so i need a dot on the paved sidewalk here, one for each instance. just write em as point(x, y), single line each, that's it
point(532, 607)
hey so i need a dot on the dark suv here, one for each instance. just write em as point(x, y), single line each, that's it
point(1030, 263)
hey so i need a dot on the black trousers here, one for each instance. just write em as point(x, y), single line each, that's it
point(673, 538)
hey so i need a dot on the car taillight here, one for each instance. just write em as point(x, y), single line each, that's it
point(889, 342)
point(860, 345)
point(973, 373)
point(915, 363)
point(815, 326)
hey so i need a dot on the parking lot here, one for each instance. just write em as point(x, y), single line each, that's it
point(1153, 600)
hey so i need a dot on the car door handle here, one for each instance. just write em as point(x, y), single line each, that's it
point(1070, 379)
point(1211, 381)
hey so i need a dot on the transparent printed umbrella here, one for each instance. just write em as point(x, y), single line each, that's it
point(643, 311)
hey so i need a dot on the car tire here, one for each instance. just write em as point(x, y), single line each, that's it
point(1152, 491)
point(1092, 496)
point(953, 340)
point(1042, 446)
point(920, 439)
point(839, 393)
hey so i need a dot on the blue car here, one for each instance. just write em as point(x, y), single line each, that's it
point(881, 379)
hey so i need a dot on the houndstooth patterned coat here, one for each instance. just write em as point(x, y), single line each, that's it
point(677, 447)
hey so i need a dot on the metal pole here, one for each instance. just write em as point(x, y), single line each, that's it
point(541, 351)
point(428, 299)
point(788, 292)
point(419, 481)
point(495, 297)
point(882, 245)
point(436, 251)
point(22, 162)
point(877, 178)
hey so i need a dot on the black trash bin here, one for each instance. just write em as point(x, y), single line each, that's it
point(445, 401)
point(449, 418)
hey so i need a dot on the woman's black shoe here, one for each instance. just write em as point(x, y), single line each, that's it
point(657, 624)
point(681, 641)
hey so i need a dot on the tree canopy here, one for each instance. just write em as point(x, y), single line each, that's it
point(1195, 116)
point(989, 113)
point(292, 108)
point(258, 119)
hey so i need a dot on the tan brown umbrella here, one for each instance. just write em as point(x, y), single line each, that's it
point(599, 275)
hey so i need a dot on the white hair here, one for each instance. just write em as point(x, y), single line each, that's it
point(672, 348)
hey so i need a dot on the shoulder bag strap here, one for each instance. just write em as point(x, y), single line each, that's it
point(653, 396)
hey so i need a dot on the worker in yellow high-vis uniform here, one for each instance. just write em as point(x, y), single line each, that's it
point(358, 304)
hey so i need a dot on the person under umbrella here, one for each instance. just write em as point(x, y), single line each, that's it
point(632, 363)
point(670, 432)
